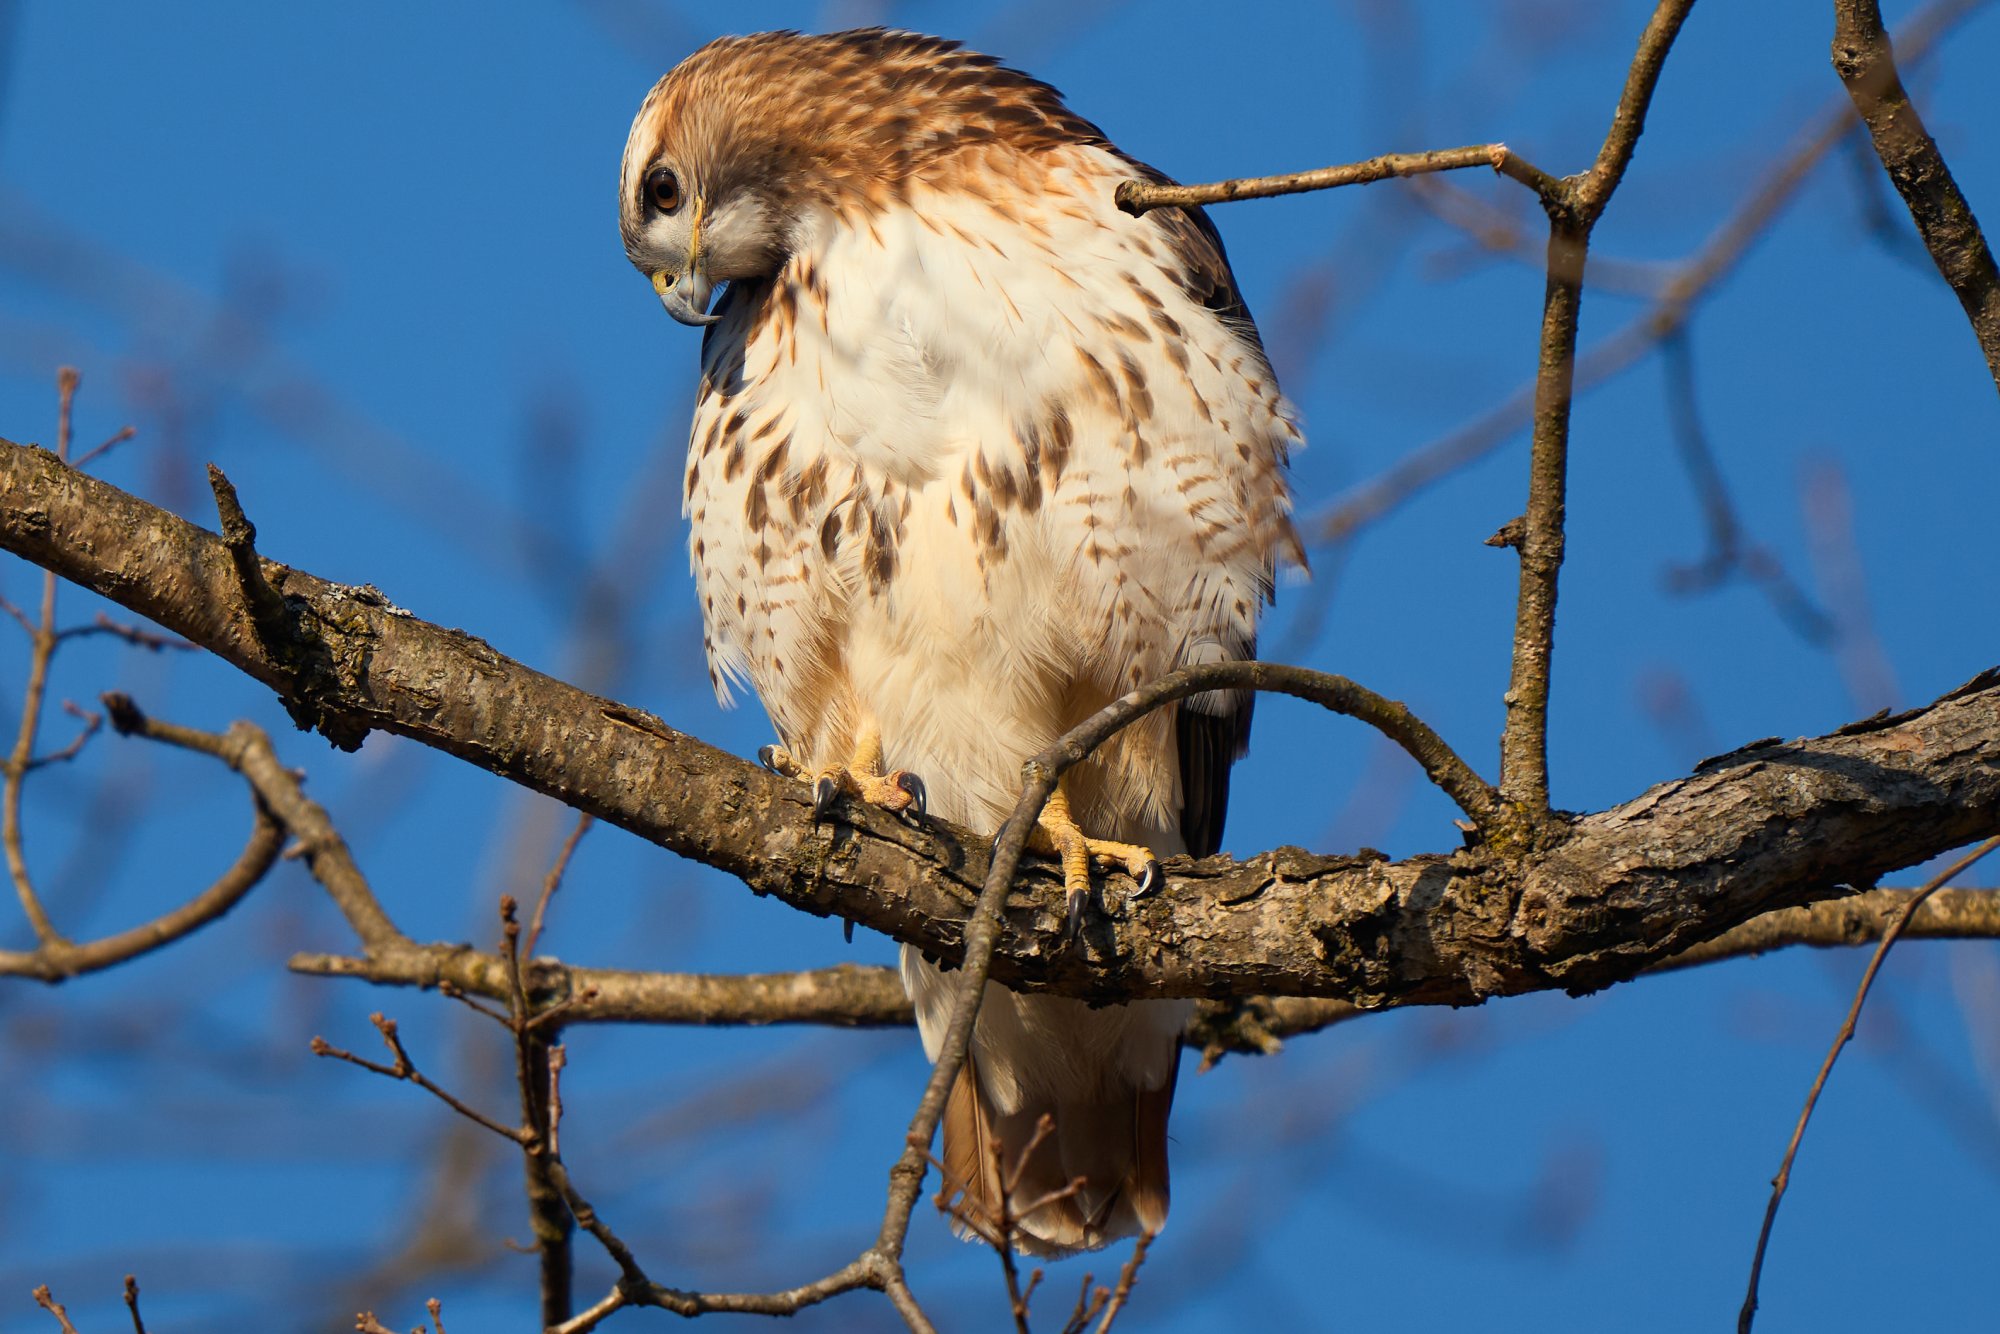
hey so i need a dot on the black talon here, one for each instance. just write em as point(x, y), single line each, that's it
point(913, 785)
point(768, 757)
point(824, 793)
point(847, 930)
point(1075, 926)
point(1149, 879)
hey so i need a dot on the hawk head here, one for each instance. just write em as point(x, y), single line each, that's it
point(701, 196)
point(750, 139)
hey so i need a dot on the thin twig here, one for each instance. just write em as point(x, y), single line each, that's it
point(1748, 1314)
point(1392, 719)
point(134, 635)
point(119, 437)
point(132, 1304)
point(266, 605)
point(19, 763)
point(46, 1300)
point(997, 1226)
point(1524, 759)
point(58, 960)
point(1042, 772)
point(553, 881)
point(537, 1070)
point(91, 722)
point(247, 749)
point(405, 1069)
point(1088, 1304)
point(1690, 282)
point(1729, 549)
point(1137, 197)
point(1126, 1277)
point(847, 996)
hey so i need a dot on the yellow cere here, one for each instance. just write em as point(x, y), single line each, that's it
point(662, 280)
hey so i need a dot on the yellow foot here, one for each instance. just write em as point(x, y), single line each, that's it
point(1057, 835)
point(861, 777)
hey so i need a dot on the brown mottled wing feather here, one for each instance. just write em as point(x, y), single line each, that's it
point(1199, 246)
point(1210, 741)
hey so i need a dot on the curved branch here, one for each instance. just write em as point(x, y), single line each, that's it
point(1390, 717)
point(58, 960)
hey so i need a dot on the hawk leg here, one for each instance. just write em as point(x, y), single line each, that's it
point(862, 776)
point(1057, 835)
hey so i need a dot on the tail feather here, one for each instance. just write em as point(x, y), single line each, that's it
point(1146, 1187)
point(969, 1170)
point(1100, 1175)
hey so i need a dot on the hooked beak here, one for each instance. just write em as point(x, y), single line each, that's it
point(685, 294)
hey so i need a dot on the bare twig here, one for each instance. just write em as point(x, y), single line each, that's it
point(404, 1069)
point(132, 1304)
point(56, 960)
point(295, 650)
point(1866, 63)
point(91, 722)
point(119, 437)
point(266, 605)
point(998, 1224)
point(847, 996)
point(552, 882)
point(1690, 282)
point(134, 635)
point(1501, 231)
point(1748, 1314)
point(1573, 212)
point(537, 1069)
point(1730, 551)
point(1126, 1276)
point(21, 761)
point(46, 1300)
point(1137, 197)
point(1826, 502)
point(1088, 1304)
point(247, 749)
point(1394, 720)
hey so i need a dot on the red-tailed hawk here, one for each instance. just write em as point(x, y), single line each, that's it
point(975, 453)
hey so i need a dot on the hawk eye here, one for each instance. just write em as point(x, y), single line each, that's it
point(663, 189)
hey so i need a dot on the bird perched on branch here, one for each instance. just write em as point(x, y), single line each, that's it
point(975, 453)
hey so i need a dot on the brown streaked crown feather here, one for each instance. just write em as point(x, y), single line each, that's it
point(848, 115)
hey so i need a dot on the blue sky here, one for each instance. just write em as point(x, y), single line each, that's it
point(365, 258)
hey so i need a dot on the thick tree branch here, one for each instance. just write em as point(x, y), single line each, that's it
point(1775, 825)
point(1866, 63)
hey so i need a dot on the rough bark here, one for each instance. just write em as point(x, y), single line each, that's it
point(1772, 825)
